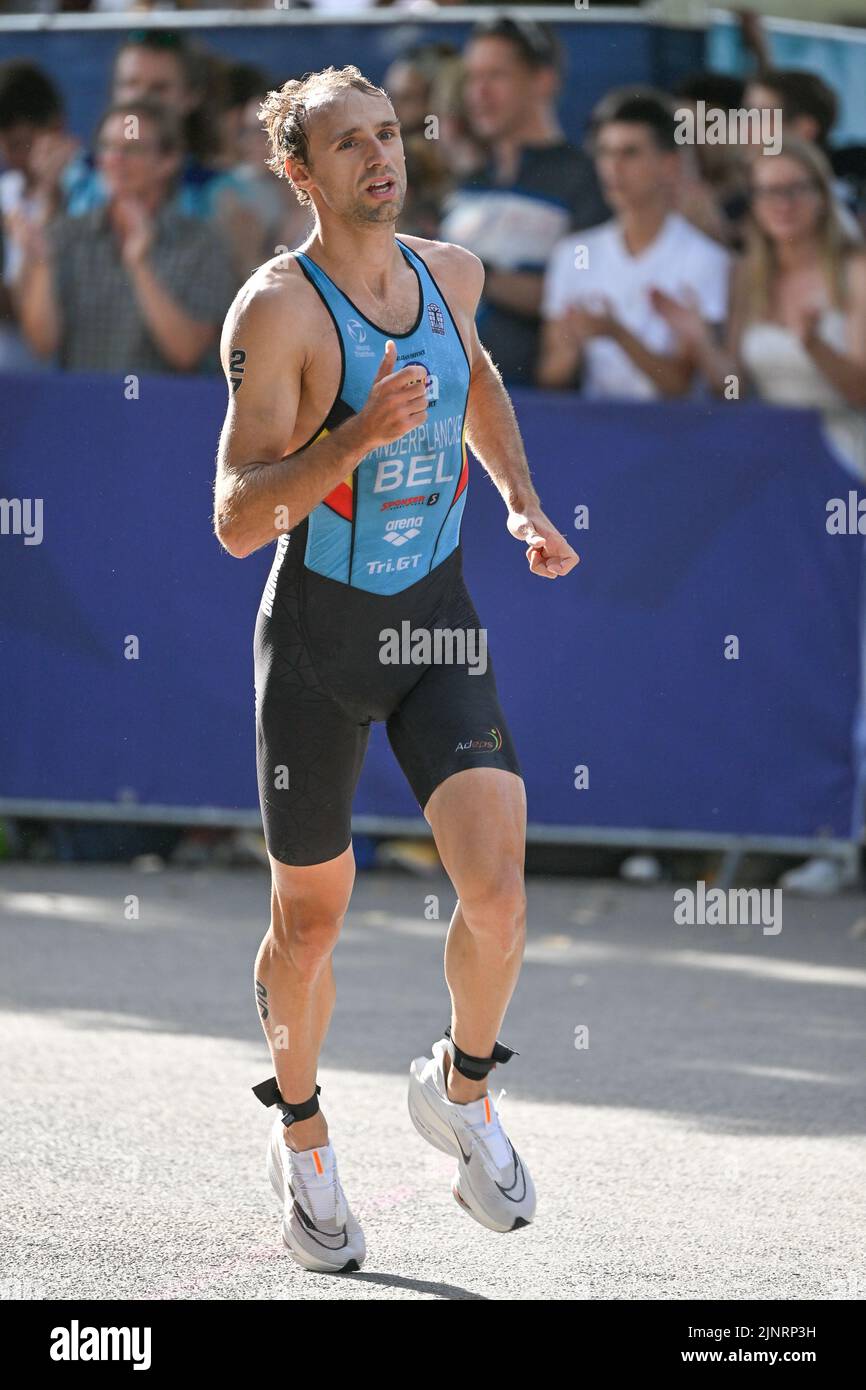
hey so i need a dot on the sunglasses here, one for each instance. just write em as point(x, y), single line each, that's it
point(784, 192)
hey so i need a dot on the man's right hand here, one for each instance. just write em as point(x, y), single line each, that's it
point(397, 401)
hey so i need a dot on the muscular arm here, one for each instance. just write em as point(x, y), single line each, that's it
point(260, 492)
point(494, 435)
point(491, 425)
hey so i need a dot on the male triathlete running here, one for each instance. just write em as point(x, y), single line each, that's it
point(355, 379)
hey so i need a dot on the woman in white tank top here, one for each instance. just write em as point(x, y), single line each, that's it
point(797, 330)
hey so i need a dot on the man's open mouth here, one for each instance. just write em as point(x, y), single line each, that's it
point(381, 188)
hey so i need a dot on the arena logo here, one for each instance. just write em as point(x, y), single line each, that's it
point(403, 529)
point(438, 646)
point(77, 1343)
point(491, 744)
point(22, 516)
point(732, 907)
point(739, 125)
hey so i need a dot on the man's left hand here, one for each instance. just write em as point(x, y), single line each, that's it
point(547, 551)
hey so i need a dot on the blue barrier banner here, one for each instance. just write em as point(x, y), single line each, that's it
point(701, 663)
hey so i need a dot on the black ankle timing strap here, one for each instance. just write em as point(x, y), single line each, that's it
point(268, 1092)
point(476, 1068)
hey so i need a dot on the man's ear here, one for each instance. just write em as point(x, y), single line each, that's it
point(298, 173)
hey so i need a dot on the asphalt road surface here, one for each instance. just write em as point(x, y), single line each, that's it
point(707, 1143)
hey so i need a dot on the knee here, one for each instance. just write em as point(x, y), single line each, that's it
point(305, 929)
point(306, 938)
point(494, 905)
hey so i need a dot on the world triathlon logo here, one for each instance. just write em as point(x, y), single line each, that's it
point(358, 334)
point(491, 744)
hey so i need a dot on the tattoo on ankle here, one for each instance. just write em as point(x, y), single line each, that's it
point(262, 998)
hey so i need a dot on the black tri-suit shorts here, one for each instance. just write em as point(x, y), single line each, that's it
point(329, 660)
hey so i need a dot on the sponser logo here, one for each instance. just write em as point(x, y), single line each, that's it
point(404, 502)
point(491, 744)
point(76, 1343)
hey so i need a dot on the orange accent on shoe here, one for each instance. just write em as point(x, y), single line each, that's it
point(487, 1109)
point(318, 1162)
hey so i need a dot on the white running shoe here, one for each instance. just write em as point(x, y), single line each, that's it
point(318, 1227)
point(492, 1182)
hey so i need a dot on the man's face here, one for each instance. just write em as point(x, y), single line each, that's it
point(143, 75)
point(500, 88)
point(16, 144)
point(133, 167)
point(631, 167)
point(356, 167)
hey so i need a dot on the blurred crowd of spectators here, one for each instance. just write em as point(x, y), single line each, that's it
point(627, 264)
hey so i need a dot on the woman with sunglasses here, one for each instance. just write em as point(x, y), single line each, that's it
point(796, 334)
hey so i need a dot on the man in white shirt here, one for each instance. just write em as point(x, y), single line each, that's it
point(601, 288)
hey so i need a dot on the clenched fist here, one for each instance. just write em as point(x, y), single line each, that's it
point(397, 401)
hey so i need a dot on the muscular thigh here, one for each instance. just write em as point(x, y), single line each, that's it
point(478, 819)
